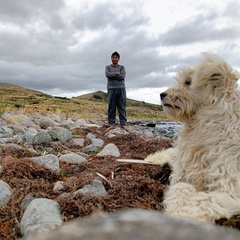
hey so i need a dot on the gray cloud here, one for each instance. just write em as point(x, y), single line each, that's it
point(21, 12)
point(51, 46)
point(205, 27)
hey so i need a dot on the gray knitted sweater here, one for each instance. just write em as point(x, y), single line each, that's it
point(115, 81)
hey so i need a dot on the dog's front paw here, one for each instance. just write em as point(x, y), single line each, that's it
point(165, 156)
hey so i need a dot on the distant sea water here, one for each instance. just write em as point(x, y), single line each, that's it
point(160, 128)
point(168, 129)
point(176, 125)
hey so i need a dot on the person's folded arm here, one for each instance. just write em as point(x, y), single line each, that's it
point(110, 74)
point(122, 74)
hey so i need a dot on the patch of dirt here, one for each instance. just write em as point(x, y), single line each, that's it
point(128, 185)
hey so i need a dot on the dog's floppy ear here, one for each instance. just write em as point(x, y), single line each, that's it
point(213, 72)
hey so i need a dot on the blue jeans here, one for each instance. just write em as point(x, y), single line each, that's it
point(116, 100)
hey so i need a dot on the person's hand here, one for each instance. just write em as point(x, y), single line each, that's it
point(118, 73)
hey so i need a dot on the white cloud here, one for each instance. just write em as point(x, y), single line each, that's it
point(150, 95)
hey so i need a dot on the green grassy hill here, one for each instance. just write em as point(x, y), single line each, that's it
point(13, 97)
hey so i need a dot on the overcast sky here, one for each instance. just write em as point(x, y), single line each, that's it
point(61, 47)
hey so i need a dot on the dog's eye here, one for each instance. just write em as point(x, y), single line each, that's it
point(216, 76)
point(188, 82)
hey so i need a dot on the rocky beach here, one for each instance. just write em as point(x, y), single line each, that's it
point(60, 173)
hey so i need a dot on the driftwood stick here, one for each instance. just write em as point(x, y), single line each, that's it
point(100, 175)
point(133, 161)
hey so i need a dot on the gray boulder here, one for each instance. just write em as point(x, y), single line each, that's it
point(96, 189)
point(41, 215)
point(42, 137)
point(46, 122)
point(5, 193)
point(109, 150)
point(72, 158)
point(60, 134)
point(138, 224)
point(49, 161)
point(97, 142)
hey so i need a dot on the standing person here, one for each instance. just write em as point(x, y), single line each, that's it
point(116, 91)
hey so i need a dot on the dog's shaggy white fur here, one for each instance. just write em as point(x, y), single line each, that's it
point(205, 181)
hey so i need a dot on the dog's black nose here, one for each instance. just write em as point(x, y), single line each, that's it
point(163, 95)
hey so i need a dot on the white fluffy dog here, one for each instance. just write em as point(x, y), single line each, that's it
point(205, 181)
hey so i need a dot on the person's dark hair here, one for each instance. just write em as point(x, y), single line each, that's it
point(115, 54)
